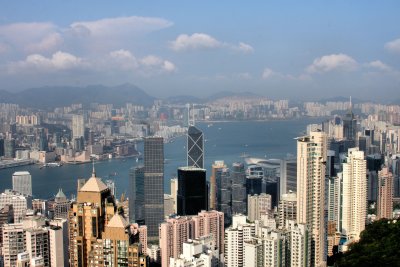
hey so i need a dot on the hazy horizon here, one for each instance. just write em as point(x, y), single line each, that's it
point(280, 50)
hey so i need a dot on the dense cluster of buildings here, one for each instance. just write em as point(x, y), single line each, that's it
point(346, 174)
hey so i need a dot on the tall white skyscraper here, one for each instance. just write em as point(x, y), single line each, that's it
point(311, 157)
point(22, 182)
point(354, 188)
point(78, 126)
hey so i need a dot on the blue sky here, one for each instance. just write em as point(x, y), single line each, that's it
point(280, 49)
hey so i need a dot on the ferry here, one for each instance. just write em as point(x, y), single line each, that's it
point(51, 165)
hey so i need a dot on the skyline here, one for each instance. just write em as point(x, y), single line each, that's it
point(271, 49)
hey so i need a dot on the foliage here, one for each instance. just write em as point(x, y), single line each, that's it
point(378, 246)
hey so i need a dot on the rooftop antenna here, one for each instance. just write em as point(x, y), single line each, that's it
point(351, 105)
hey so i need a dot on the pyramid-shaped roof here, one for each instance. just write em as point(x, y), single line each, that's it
point(117, 221)
point(94, 184)
point(60, 194)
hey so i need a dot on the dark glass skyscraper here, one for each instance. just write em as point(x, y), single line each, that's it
point(136, 195)
point(224, 195)
point(239, 197)
point(192, 195)
point(195, 148)
point(153, 185)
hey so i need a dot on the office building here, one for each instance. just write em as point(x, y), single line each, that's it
point(168, 205)
point(136, 195)
point(215, 182)
point(238, 180)
point(258, 205)
point(385, 194)
point(22, 182)
point(254, 179)
point(354, 194)
point(93, 209)
point(13, 243)
point(311, 157)
point(195, 147)
point(192, 194)
point(288, 177)
point(61, 205)
point(153, 184)
point(9, 148)
point(174, 192)
point(224, 195)
point(78, 126)
point(59, 242)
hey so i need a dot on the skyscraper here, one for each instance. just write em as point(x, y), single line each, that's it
point(354, 192)
point(239, 197)
point(153, 184)
point(224, 195)
point(136, 195)
point(288, 177)
point(195, 147)
point(311, 156)
point(87, 217)
point(216, 170)
point(385, 194)
point(192, 194)
point(22, 182)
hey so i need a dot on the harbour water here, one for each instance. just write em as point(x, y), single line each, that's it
point(227, 141)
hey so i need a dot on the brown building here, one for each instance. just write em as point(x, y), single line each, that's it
point(385, 194)
point(99, 236)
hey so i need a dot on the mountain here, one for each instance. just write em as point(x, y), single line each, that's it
point(58, 96)
point(184, 99)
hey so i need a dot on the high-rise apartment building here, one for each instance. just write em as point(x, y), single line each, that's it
point(258, 205)
point(195, 147)
point(175, 231)
point(59, 242)
point(78, 126)
point(6, 216)
point(136, 195)
point(192, 194)
point(22, 182)
point(354, 193)
point(21, 203)
point(153, 184)
point(215, 182)
point(13, 243)
point(37, 244)
point(311, 157)
point(385, 194)
point(238, 180)
point(287, 209)
point(174, 192)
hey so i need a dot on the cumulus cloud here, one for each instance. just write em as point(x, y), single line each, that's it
point(377, 64)
point(152, 61)
point(269, 73)
point(124, 59)
point(198, 41)
point(332, 62)
point(393, 46)
point(31, 37)
point(243, 47)
point(58, 61)
point(194, 41)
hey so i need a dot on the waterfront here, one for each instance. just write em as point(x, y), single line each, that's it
point(226, 141)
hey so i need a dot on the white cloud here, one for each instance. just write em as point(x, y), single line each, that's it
point(194, 41)
point(269, 73)
point(119, 26)
point(155, 62)
point(377, 64)
point(332, 62)
point(124, 59)
point(243, 47)
point(36, 62)
point(31, 37)
point(393, 46)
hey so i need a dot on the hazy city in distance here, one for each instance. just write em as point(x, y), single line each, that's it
point(188, 134)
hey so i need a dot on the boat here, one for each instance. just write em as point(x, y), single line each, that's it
point(209, 125)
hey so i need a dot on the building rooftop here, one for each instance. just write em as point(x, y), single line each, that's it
point(94, 184)
point(117, 221)
point(21, 173)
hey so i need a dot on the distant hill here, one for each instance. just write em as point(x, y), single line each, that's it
point(225, 94)
point(57, 96)
point(184, 99)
